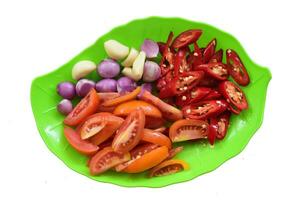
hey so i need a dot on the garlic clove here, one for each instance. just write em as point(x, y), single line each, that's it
point(116, 50)
point(83, 68)
point(129, 73)
point(130, 58)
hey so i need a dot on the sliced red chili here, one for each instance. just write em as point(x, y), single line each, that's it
point(216, 70)
point(236, 68)
point(184, 82)
point(219, 125)
point(213, 94)
point(234, 96)
point(187, 37)
point(165, 80)
point(217, 57)
point(180, 63)
point(195, 95)
point(209, 51)
point(205, 109)
point(207, 81)
point(166, 62)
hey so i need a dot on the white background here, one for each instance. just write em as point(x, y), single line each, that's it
point(38, 36)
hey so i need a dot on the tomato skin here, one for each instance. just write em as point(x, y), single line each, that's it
point(106, 159)
point(187, 37)
point(209, 51)
point(156, 138)
point(234, 95)
point(169, 167)
point(169, 112)
point(154, 122)
point(173, 152)
point(205, 109)
point(105, 96)
point(123, 98)
point(236, 68)
point(193, 96)
point(217, 57)
point(112, 124)
point(180, 130)
point(77, 143)
point(130, 132)
point(87, 106)
point(126, 108)
point(216, 70)
point(148, 160)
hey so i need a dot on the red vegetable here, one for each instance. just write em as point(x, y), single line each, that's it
point(192, 96)
point(209, 51)
point(217, 57)
point(166, 62)
point(216, 70)
point(187, 37)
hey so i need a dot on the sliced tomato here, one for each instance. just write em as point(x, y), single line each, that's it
point(182, 83)
point(99, 135)
point(77, 143)
point(102, 108)
point(205, 109)
point(188, 129)
point(147, 160)
point(169, 112)
point(217, 57)
point(161, 129)
point(236, 68)
point(216, 70)
point(173, 152)
point(219, 125)
point(126, 108)
point(209, 51)
point(154, 122)
point(156, 138)
point(169, 167)
point(106, 159)
point(195, 95)
point(130, 132)
point(187, 37)
point(105, 96)
point(87, 106)
point(121, 99)
point(234, 96)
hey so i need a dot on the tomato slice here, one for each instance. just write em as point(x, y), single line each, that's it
point(106, 159)
point(160, 129)
point(156, 138)
point(130, 132)
point(219, 125)
point(121, 99)
point(173, 152)
point(215, 70)
point(236, 68)
point(217, 57)
point(182, 83)
point(195, 95)
point(169, 112)
point(105, 96)
point(87, 106)
point(187, 37)
point(126, 108)
point(209, 51)
point(205, 109)
point(147, 160)
point(188, 129)
point(154, 122)
point(169, 167)
point(234, 96)
point(112, 123)
point(77, 143)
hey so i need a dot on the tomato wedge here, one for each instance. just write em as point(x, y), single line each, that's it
point(77, 143)
point(126, 108)
point(205, 109)
point(169, 167)
point(217, 57)
point(187, 37)
point(188, 129)
point(173, 152)
point(147, 160)
point(236, 68)
point(169, 112)
point(182, 83)
point(126, 97)
point(234, 96)
point(195, 95)
point(130, 132)
point(216, 70)
point(87, 106)
point(209, 51)
point(91, 127)
point(156, 138)
point(104, 96)
point(106, 159)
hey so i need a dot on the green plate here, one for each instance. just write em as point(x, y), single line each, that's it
point(200, 156)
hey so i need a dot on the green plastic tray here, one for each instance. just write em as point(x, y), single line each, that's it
point(200, 156)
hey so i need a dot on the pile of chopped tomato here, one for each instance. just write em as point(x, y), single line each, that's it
point(128, 132)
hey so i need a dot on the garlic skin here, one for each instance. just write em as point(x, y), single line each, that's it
point(116, 50)
point(83, 68)
point(130, 58)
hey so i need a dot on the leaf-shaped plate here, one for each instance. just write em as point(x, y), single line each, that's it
point(199, 155)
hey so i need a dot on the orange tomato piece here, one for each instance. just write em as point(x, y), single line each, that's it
point(127, 97)
point(169, 167)
point(156, 138)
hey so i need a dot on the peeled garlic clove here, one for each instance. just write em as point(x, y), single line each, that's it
point(130, 58)
point(115, 49)
point(129, 73)
point(138, 65)
point(83, 68)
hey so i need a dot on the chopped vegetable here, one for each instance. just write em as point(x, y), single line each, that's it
point(130, 58)
point(83, 68)
point(150, 48)
point(151, 71)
